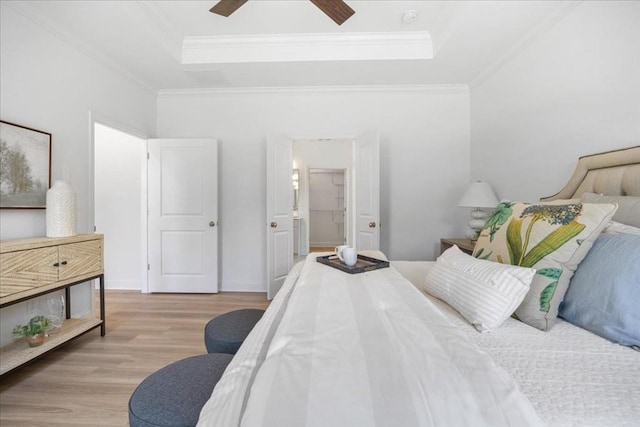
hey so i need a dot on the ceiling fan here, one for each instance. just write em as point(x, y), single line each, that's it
point(337, 10)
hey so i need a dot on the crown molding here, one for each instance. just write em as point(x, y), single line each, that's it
point(31, 12)
point(165, 33)
point(444, 24)
point(306, 47)
point(448, 89)
point(563, 9)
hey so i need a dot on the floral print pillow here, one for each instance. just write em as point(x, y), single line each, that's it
point(553, 239)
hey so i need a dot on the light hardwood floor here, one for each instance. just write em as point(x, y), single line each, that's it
point(88, 382)
point(322, 248)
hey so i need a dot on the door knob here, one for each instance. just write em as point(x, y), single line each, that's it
point(212, 224)
point(372, 225)
point(274, 224)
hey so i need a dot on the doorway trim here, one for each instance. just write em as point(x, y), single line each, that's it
point(96, 117)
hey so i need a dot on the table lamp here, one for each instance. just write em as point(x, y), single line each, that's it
point(478, 195)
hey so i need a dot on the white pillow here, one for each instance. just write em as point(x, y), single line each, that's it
point(484, 292)
point(614, 227)
point(628, 211)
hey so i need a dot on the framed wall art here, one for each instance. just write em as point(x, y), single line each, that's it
point(25, 167)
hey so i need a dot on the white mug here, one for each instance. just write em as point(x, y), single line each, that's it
point(349, 256)
point(338, 250)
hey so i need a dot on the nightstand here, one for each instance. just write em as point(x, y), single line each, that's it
point(465, 245)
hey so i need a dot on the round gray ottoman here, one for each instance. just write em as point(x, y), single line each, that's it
point(175, 394)
point(226, 333)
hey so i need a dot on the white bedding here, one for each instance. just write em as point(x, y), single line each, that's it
point(229, 397)
point(363, 349)
point(571, 376)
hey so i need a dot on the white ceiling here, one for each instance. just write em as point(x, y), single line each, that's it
point(144, 38)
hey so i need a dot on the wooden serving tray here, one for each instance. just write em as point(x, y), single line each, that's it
point(363, 264)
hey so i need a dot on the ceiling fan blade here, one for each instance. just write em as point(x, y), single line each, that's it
point(227, 7)
point(337, 10)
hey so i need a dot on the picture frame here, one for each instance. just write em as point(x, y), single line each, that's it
point(25, 166)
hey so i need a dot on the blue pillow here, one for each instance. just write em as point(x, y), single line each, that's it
point(604, 293)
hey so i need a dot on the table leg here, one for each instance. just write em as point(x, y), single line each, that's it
point(103, 327)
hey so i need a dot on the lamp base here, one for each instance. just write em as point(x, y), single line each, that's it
point(476, 223)
point(471, 234)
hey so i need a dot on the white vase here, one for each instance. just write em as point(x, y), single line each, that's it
point(61, 210)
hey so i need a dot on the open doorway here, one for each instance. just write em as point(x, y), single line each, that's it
point(326, 209)
point(118, 204)
point(360, 159)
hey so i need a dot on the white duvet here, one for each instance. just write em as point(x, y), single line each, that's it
point(336, 349)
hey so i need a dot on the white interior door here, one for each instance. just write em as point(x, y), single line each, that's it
point(183, 215)
point(279, 211)
point(348, 212)
point(367, 191)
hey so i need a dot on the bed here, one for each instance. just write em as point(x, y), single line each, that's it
point(380, 348)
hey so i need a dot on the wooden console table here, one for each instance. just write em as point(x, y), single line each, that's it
point(33, 267)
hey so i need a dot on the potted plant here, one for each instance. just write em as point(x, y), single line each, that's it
point(34, 331)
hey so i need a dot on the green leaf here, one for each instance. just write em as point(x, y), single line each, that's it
point(479, 255)
point(498, 217)
point(514, 240)
point(552, 273)
point(552, 242)
point(546, 295)
point(36, 325)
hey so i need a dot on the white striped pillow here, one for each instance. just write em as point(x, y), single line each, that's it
point(484, 292)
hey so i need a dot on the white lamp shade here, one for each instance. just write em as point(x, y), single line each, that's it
point(478, 195)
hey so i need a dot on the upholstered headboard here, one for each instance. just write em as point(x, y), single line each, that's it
point(614, 173)
point(613, 176)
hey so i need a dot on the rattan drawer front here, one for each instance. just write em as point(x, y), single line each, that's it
point(80, 259)
point(24, 270)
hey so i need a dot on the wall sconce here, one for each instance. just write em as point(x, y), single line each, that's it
point(478, 195)
point(295, 178)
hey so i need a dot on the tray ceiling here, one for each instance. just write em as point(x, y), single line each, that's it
point(147, 40)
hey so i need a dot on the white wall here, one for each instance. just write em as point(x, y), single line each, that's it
point(118, 201)
point(49, 85)
point(574, 91)
point(424, 139)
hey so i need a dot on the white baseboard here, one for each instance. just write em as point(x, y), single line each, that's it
point(124, 285)
point(133, 285)
point(242, 287)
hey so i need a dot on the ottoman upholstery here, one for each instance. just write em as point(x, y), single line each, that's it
point(175, 394)
point(226, 333)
